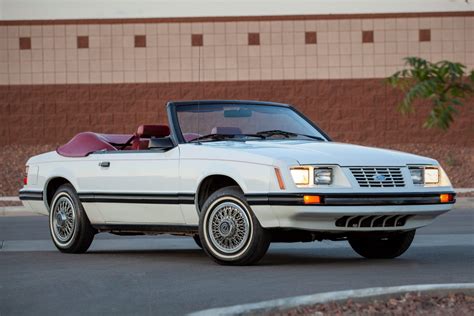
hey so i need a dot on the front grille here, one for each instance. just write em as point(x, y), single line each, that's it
point(371, 221)
point(378, 177)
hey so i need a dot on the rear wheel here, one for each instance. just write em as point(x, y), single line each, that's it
point(230, 233)
point(387, 247)
point(69, 226)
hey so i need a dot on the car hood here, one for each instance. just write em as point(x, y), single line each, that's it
point(311, 152)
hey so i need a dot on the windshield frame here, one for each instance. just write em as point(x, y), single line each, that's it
point(177, 134)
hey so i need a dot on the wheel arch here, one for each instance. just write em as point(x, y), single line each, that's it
point(210, 184)
point(51, 187)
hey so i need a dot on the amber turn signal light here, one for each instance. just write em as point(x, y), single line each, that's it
point(312, 199)
point(446, 198)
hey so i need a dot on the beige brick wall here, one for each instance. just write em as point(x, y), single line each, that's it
point(226, 55)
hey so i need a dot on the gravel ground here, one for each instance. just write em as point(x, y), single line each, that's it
point(408, 304)
point(456, 160)
point(13, 158)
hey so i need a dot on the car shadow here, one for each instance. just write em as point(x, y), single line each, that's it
point(150, 252)
point(333, 260)
point(288, 257)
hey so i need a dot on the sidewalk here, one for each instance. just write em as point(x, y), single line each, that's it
point(9, 199)
point(16, 211)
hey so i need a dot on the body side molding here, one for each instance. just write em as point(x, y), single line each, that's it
point(178, 198)
point(25, 195)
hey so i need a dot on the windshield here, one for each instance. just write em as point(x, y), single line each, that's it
point(208, 122)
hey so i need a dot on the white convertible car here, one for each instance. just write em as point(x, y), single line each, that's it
point(235, 175)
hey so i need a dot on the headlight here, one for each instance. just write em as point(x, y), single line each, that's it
point(300, 176)
point(322, 176)
point(424, 175)
point(416, 175)
point(431, 175)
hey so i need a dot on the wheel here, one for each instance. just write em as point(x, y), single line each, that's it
point(230, 233)
point(197, 240)
point(386, 247)
point(69, 226)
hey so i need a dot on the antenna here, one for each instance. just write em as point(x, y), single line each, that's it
point(199, 83)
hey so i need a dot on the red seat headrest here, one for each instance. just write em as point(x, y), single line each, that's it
point(148, 131)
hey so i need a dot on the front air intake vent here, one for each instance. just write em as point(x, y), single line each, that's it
point(372, 221)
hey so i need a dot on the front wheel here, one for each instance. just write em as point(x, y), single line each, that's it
point(197, 240)
point(386, 247)
point(69, 226)
point(229, 231)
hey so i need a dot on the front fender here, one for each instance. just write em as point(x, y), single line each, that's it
point(250, 177)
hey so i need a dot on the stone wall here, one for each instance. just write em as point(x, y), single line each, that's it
point(362, 110)
point(62, 77)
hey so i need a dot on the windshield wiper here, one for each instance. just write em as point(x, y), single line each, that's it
point(219, 137)
point(287, 134)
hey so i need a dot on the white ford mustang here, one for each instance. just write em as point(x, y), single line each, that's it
point(235, 175)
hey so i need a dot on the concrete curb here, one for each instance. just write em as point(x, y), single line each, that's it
point(16, 211)
point(464, 190)
point(321, 298)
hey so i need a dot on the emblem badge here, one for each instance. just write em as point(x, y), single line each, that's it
point(379, 177)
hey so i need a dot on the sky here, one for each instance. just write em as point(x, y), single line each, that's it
point(95, 9)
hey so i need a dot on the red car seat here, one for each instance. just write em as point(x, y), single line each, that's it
point(145, 132)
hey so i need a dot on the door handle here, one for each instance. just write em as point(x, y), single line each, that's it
point(104, 164)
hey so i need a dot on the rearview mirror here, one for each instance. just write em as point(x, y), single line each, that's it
point(238, 113)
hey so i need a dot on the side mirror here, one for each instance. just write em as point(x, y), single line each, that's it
point(164, 143)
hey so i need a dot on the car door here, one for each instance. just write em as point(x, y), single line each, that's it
point(131, 187)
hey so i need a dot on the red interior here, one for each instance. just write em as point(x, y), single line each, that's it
point(85, 143)
point(145, 132)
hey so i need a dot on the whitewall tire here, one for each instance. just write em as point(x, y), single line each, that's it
point(229, 231)
point(69, 226)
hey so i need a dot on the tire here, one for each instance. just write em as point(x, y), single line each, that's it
point(233, 219)
point(197, 240)
point(77, 236)
point(388, 247)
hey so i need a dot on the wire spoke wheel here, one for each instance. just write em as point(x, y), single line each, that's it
point(228, 227)
point(64, 219)
point(229, 231)
point(69, 226)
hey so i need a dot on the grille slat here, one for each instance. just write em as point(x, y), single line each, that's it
point(366, 177)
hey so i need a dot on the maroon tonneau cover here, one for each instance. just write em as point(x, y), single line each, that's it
point(85, 143)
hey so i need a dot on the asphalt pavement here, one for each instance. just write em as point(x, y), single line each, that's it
point(167, 275)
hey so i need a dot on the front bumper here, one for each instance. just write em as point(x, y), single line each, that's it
point(350, 212)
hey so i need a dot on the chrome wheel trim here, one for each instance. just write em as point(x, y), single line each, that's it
point(63, 223)
point(207, 226)
point(228, 227)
